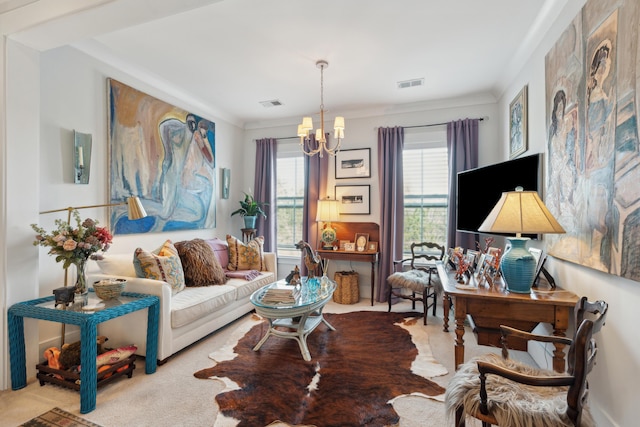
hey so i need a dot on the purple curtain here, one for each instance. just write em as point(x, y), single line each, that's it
point(265, 190)
point(315, 181)
point(390, 145)
point(462, 146)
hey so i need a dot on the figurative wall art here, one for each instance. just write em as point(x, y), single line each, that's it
point(165, 156)
point(593, 165)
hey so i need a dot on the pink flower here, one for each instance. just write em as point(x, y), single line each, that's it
point(69, 245)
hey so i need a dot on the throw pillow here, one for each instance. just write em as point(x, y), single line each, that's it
point(162, 264)
point(117, 265)
point(221, 250)
point(245, 256)
point(200, 265)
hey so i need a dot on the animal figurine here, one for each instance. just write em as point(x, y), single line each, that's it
point(311, 258)
point(294, 277)
point(70, 353)
point(64, 296)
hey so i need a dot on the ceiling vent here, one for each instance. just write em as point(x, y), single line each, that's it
point(271, 103)
point(410, 83)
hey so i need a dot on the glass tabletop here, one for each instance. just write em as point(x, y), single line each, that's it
point(93, 303)
point(309, 292)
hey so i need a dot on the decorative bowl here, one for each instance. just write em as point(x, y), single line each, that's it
point(109, 288)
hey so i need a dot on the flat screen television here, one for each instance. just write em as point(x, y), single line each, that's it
point(480, 189)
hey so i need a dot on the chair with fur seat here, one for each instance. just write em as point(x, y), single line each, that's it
point(504, 392)
point(421, 278)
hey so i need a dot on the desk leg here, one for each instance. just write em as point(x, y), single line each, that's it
point(17, 352)
point(89, 372)
point(445, 311)
point(558, 352)
point(151, 357)
point(461, 314)
point(373, 278)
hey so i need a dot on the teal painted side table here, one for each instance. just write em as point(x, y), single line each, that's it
point(44, 309)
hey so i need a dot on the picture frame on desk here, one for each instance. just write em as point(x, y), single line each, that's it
point(373, 246)
point(343, 243)
point(361, 242)
point(349, 247)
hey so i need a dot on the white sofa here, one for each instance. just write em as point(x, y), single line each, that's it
point(186, 316)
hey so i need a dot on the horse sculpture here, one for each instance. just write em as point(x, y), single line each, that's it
point(311, 258)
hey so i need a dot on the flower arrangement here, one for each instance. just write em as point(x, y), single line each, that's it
point(74, 245)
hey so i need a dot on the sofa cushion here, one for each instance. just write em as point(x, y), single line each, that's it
point(162, 264)
point(200, 265)
point(117, 265)
point(196, 303)
point(221, 251)
point(245, 256)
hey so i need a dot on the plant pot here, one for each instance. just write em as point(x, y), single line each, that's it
point(250, 221)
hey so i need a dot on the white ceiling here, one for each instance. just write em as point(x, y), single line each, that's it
point(229, 55)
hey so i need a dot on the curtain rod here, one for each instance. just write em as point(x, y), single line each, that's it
point(405, 127)
point(438, 124)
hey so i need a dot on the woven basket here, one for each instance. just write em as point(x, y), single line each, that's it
point(109, 288)
point(348, 289)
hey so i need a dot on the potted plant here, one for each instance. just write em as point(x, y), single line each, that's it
point(249, 210)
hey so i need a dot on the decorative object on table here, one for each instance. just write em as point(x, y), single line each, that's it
point(349, 246)
point(249, 210)
point(519, 212)
point(328, 212)
point(518, 138)
point(353, 199)
point(64, 295)
point(321, 145)
point(462, 265)
point(154, 145)
point(373, 247)
point(293, 278)
point(75, 245)
point(361, 240)
point(353, 163)
point(343, 243)
point(109, 288)
point(70, 353)
point(81, 157)
point(311, 258)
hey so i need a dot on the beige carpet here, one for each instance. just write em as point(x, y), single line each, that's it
point(173, 396)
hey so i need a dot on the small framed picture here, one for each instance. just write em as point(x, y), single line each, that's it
point(343, 244)
point(353, 199)
point(349, 247)
point(373, 246)
point(361, 241)
point(353, 163)
point(472, 257)
point(481, 265)
point(518, 124)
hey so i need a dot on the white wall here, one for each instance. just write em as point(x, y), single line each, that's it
point(614, 379)
point(361, 132)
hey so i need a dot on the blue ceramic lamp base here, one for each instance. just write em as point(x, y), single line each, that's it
point(518, 266)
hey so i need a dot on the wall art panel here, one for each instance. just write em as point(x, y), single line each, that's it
point(164, 155)
point(593, 166)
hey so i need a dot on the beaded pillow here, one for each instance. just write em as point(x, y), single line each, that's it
point(245, 256)
point(162, 264)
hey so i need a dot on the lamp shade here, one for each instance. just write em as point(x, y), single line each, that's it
point(328, 211)
point(135, 208)
point(519, 212)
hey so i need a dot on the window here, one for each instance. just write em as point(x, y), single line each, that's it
point(290, 200)
point(426, 189)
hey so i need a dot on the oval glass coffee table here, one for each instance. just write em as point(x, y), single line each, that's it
point(296, 319)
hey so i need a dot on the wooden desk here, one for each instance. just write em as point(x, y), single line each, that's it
point(371, 257)
point(488, 308)
point(347, 231)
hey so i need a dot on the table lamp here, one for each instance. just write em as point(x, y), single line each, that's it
point(328, 211)
point(519, 212)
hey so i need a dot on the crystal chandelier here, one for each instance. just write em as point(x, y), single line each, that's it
point(305, 129)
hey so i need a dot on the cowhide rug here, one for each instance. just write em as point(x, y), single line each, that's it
point(355, 373)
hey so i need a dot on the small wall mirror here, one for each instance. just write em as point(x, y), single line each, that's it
point(81, 157)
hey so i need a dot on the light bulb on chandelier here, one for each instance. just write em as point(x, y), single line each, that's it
point(306, 127)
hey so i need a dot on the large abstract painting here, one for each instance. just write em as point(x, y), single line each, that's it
point(165, 156)
point(593, 170)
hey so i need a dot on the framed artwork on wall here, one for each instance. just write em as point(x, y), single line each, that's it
point(353, 199)
point(353, 163)
point(518, 140)
point(165, 156)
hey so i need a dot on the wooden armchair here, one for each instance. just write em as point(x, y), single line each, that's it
point(418, 278)
point(500, 391)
